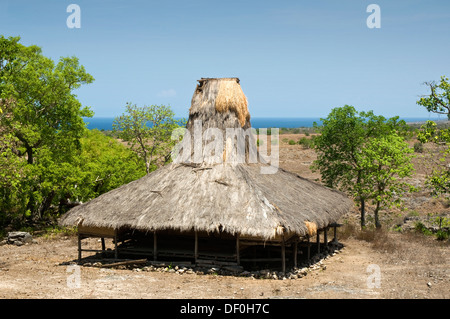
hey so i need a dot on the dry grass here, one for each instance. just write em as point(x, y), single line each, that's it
point(231, 98)
point(410, 247)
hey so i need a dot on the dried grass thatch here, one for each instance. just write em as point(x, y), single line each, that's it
point(311, 227)
point(219, 103)
point(236, 199)
point(230, 98)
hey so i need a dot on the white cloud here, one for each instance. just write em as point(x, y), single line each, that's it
point(167, 93)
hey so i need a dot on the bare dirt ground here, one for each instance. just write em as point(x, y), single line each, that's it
point(410, 266)
point(417, 269)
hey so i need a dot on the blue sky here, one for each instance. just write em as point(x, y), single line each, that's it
point(294, 58)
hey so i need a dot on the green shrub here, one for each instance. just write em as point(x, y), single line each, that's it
point(442, 235)
point(420, 227)
point(292, 142)
point(418, 147)
point(306, 142)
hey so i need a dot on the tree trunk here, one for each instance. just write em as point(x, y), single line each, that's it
point(377, 220)
point(363, 213)
point(46, 204)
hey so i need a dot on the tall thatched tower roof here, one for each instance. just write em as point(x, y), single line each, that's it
point(209, 195)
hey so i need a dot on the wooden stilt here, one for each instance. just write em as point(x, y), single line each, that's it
point(325, 238)
point(196, 247)
point(103, 246)
point(309, 250)
point(116, 251)
point(155, 246)
point(79, 248)
point(238, 258)
point(335, 226)
point(283, 256)
point(318, 242)
point(295, 253)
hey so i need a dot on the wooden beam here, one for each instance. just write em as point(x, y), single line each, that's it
point(127, 262)
point(325, 238)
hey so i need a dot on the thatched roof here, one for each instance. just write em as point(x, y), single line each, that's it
point(232, 198)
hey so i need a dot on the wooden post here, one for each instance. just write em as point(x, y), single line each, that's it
point(155, 246)
point(325, 238)
point(309, 250)
point(79, 248)
point(295, 253)
point(116, 251)
point(335, 234)
point(238, 258)
point(283, 256)
point(318, 242)
point(196, 246)
point(103, 246)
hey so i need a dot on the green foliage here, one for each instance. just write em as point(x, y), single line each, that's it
point(364, 155)
point(385, 160)
point(104, 164)
point(438, 101)
point(41, 130)
point(292, 142)
point(148, 131)
point(439, 178)
point(420, 227)
point(418, 147)
point(48, 159)
point(307, 142)
point(442, 235)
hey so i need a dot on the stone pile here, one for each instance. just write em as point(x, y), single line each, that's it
point(317, 263)
point(18, 238)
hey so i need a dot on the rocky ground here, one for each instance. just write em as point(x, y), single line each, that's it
point(408, 267)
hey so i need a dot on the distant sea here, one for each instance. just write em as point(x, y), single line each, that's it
point(105, 123)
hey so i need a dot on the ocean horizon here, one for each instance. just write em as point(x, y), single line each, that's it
point(105, 123)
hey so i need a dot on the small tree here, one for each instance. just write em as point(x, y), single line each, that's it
point(438, 101)
point(439, 179)
point(386, 160)
point(343, 148)
point(148, 131)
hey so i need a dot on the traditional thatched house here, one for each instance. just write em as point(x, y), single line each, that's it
point(209, 206)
